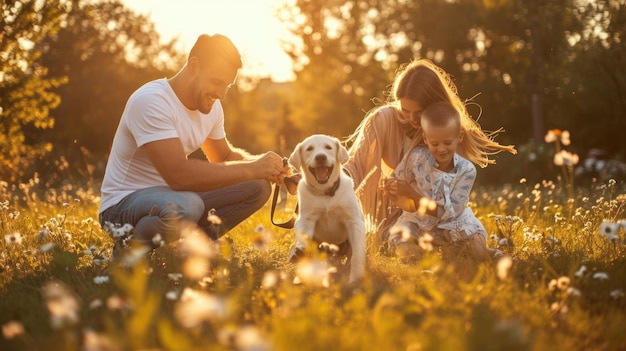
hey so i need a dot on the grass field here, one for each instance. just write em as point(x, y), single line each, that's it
point(563, 289)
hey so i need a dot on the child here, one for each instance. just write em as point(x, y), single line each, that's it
point(437, 172)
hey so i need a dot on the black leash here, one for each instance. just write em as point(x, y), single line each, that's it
point(294, 186)
point(291, 221)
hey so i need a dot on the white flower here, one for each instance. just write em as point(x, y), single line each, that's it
point(565, 158)
point(563, 283)
point(426, 242)
point(95, 304)
point(175, 276)
point(503, 266)
point(196, 307)
point(270, 280)
point(617, 294)
point(62, 304)
point(314, 272)
point(600, 276)
point(580, 272)
point(550, 137)
point(571, 291)
point(13, 239)
point(101, 279)
point(565, 137)
point(172, 295)
point(47, 247)
point(12, 329)
point(213, 218)
point(609, 229)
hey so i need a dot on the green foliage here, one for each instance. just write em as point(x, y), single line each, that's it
point(564, 287)
point(533, 64)
point(106, 51)
point(26, 92)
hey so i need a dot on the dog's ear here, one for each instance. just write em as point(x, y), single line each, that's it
point(342, 152)
point(294, 158)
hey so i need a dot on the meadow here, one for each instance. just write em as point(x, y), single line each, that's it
point(563, 285)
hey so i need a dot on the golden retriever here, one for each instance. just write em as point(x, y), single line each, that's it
point(329, 210)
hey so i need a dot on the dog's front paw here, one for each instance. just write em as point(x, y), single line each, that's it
point(296, 255)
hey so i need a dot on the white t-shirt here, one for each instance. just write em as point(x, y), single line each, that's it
point(153, 112)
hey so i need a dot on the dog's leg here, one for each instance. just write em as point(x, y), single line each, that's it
point(303, 230)
point(357, 239)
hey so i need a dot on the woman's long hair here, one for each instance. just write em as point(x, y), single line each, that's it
point(425, 83)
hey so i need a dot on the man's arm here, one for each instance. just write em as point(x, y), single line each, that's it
point(222, 150)
point(180, 173)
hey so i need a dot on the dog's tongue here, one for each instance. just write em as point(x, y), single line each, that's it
point(322, 173)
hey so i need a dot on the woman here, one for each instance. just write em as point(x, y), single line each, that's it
point(389, 131)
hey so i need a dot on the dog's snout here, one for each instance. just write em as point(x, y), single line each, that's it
point(320, 157)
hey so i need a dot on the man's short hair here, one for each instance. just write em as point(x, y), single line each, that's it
point(208, 47)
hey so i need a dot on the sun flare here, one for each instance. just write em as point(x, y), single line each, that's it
point(250, 24)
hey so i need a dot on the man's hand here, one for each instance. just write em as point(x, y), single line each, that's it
point(270, 166)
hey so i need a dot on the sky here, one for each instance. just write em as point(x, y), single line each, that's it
point(250, 24)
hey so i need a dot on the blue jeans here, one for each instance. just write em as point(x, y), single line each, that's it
point(160, 210)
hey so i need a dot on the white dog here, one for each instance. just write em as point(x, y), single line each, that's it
point(329, 210)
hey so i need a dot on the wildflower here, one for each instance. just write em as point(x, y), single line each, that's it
point(565, 158)
point(503, 267)
point(47, 247)
point(262, 237)
point(329, 248)
point(426, 242)
point(270, 280)
point(13, 239)
point(600, 276)
point(117, 302)
point(571, 291)
point(399, 233)
point(610, 230)
point(503, 242)
point(250, 338)
point(42, 234)
point(196, 267)
point(552, 285)
point(12, 329)
point(617, 294)
point(551, 137)
point(213, 218)
point(580, 272)
point(563, 136)
point(563, 283)
point(172, 295)
point(314, 272)
point(93, 341)
point(101, 279)
point(175, 276)
point(196, 307)
point(425, 205)
point(62, 304)
point(157, 240)
point(194, 242)
point(95, 303)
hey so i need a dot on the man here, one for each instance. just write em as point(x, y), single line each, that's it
point(150, 183)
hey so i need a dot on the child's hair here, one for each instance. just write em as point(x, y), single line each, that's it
point(441, 114)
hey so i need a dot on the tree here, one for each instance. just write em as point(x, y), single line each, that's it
point(107, 51)
point(27, 94)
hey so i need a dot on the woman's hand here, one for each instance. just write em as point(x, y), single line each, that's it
point(401, 193)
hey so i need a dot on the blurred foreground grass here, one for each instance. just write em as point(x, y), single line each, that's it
point(564, 288)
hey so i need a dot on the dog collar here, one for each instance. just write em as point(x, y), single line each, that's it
point(331, 191)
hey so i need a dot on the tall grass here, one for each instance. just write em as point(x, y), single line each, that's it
point(564, 286)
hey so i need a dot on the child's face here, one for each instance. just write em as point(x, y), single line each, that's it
point(442, 143)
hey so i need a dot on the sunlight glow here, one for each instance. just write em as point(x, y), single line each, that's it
point(252, 25)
